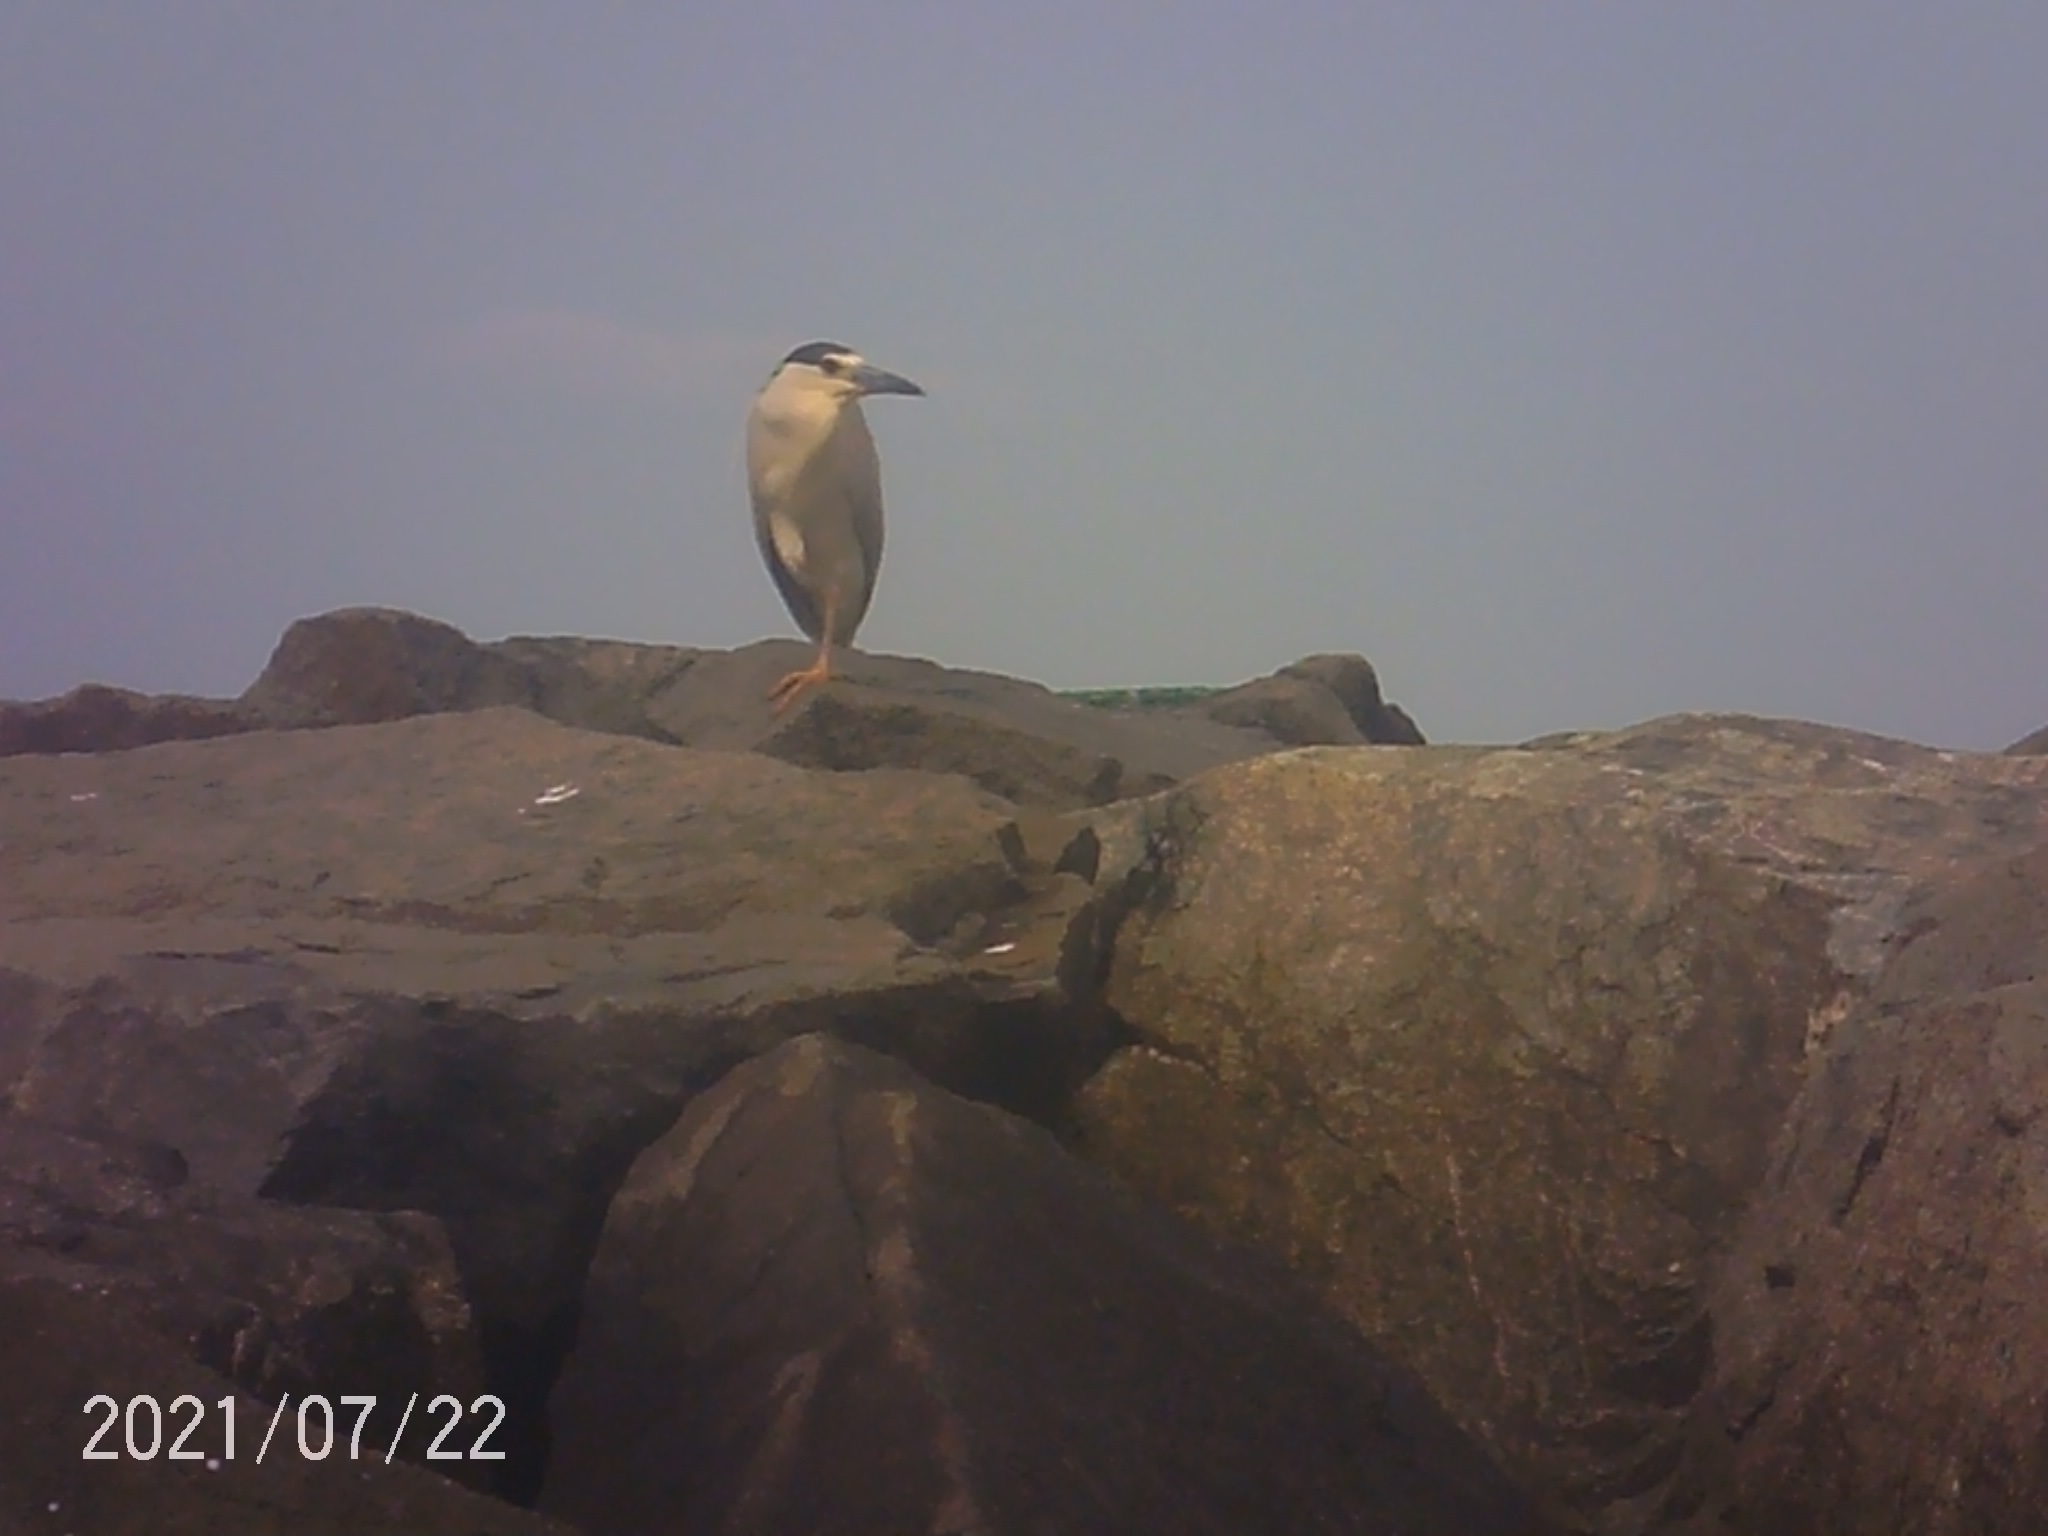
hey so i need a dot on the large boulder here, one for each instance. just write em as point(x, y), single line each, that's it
point(1492, 1045)
point(1881, 1358)
point(836, 1298)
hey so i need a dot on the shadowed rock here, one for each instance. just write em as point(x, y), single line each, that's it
point(64, 1346)
point(96, 718)
point(835, 1298)
point(278, 1299)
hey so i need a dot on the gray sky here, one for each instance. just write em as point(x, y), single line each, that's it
point(1577, 362)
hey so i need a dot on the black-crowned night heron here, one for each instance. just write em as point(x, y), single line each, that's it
point(816, 484)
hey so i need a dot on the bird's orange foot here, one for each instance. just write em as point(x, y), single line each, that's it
point(784, 693)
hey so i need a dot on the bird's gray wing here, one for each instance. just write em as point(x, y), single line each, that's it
point(865, 497)
point(794, 597)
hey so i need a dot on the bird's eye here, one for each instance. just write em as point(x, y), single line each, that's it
point(834, 365)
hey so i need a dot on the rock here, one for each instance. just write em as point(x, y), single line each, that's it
point(1318, 701)
point(836, 1298)
point(1014, 739)
point(600, 685)
point(65, 1346)
point(95, 718)
point(493, 821)
point(358, 666)
point(2031, 746)
point(1881, 1353)
point(1357, 687)
point(1289, 709)
point(471, 964)
point(1491, 1045)
point(277, 1299)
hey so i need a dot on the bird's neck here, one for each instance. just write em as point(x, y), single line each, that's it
point(787, 435)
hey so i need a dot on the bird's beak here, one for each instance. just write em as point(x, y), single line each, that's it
point(871, 380)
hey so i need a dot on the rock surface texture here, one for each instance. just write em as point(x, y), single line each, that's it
point(1625, 1133)
point(1883, 1353)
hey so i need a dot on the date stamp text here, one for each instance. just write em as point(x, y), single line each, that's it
point(314, 1427)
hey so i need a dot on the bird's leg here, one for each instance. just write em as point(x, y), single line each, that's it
point(784, 693)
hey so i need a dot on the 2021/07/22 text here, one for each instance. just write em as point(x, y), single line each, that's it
point(145, 1428)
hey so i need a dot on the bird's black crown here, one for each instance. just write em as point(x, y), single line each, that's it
point(817, 353)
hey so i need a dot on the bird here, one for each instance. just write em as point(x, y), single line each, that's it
point(816, 485)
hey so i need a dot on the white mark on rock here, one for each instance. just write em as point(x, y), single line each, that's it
point(90, 794)
point(555, 794)
point(1000, 949)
